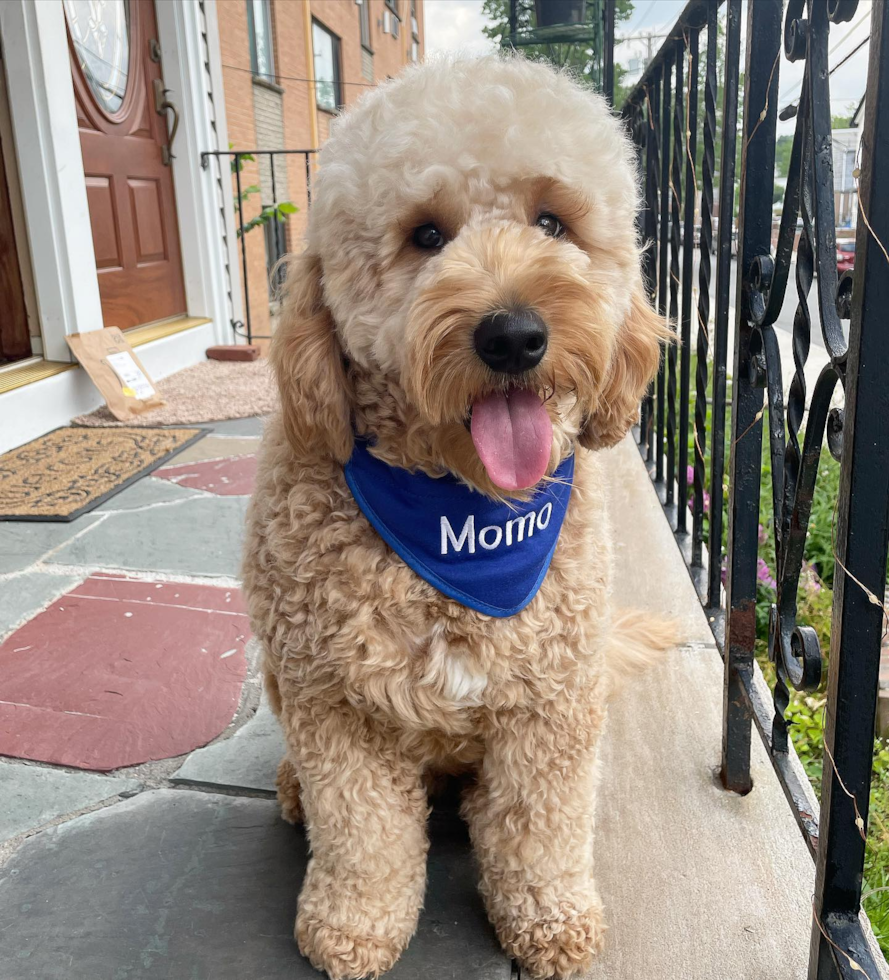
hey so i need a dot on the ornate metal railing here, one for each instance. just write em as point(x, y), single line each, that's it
point(846, 415)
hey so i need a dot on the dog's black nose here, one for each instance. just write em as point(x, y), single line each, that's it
point(511, 342)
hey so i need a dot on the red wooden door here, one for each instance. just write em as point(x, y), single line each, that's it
point(15, 339)
point(115, 60)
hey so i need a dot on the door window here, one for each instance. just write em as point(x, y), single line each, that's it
point(100, 31)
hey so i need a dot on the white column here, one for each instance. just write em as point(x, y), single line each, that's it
point(47, 142)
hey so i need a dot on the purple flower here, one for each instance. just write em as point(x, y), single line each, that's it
point(690, 479)
point(763, 534)
point(764, 574)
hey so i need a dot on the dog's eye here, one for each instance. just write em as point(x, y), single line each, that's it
point(551, 225)
point(428, 236)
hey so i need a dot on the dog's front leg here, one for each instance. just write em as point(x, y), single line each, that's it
point(365, 810)
point(531, 817)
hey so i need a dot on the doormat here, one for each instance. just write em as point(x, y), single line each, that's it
point(207, 392)
point(72, 470)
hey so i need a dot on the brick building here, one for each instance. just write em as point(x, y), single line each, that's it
point(287, 66)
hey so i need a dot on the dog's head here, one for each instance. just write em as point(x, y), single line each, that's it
point(472, 242)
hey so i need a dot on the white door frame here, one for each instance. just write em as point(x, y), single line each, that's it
point(192, 74)
point(50, 162)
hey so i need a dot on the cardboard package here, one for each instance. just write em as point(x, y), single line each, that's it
point(116, 371)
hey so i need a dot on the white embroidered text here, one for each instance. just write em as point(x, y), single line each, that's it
point(491, 537)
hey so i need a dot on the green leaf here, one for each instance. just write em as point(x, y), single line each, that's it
point(285, 207)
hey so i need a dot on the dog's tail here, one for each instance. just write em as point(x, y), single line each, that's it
point(636, 642)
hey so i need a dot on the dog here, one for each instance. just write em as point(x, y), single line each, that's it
point(466, 324)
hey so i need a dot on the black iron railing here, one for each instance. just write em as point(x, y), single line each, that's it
point(269, 216)
point(662, 113)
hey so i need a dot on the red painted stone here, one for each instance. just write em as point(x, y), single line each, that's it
point(229, 477)
point(120, 671)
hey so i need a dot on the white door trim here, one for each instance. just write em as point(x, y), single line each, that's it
point(203, 197)
point(47, 142)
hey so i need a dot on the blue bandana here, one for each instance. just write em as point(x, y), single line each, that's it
point(487, 555)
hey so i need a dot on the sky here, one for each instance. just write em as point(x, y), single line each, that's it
point(456, 26)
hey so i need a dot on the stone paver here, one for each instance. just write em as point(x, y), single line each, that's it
point(24, 542)
point(145, 493)
point(180, 885)
point(33, 795)
point(121, 671)
point(21, 596)
point(237, 427)
point(197, 537)
point(216, 447)
point(247, 760)
point(232, 477)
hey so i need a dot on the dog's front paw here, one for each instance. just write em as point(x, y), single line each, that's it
point(556, 945)
point(343, 956)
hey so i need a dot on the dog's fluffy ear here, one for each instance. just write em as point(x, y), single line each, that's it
point(309, 367)
point(635, 361)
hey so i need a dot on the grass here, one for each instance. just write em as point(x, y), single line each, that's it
point(815, 603)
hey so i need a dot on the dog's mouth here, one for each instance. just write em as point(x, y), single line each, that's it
point(513, 436)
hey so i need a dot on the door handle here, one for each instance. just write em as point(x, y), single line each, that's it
point(162, 105)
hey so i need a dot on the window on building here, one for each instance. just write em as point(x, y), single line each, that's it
point(328, 83)
point(392, 18)
point(259, 25)
point(364, 20)
point(415, 24)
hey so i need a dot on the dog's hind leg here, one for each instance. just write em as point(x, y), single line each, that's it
point(288, 792)
point(287, 781)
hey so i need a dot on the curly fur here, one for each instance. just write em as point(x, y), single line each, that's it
point(379, 680)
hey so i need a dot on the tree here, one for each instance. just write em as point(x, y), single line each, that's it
point(581, 57)
point(782, 155)
point(843, 120)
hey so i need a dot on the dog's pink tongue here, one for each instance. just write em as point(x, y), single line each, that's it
point(513, 436)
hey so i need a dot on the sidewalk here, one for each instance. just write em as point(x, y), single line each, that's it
point(142, 854)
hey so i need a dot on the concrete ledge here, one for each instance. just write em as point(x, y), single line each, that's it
point(698, 883)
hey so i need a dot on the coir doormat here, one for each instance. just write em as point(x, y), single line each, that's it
point(72, 470)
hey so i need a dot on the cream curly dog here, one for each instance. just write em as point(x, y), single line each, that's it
point(469, 305)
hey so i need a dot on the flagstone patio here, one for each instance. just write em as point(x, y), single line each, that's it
point(139, 839)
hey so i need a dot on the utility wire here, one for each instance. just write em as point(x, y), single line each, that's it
point(645, 15)
point(839, 64)
point(836, 45)
point(294, 78)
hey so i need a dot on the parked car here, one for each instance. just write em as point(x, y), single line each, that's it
point(845, 257)
point(714, 241)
